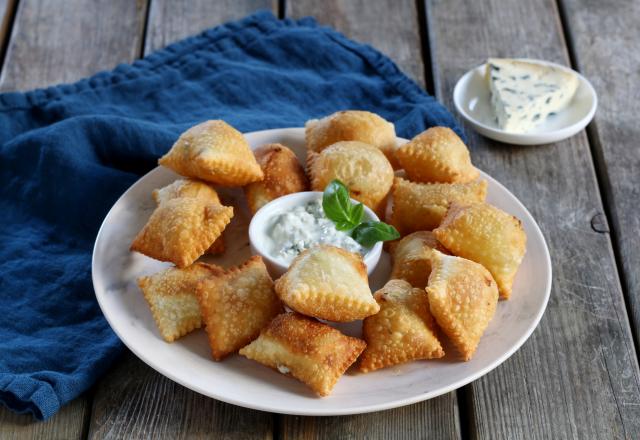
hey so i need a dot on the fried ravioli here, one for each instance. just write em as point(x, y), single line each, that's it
point(283, 175)
point(215, 152)
point(437, 155)
point(462, 299)
point(361, 167)
point(171, 295)
point(310, 351)
point(181, 230)
point(422, 206)
point(329, 283)
point(402, 331)
point(412, 257)
point(487, 235)
point(236, 305)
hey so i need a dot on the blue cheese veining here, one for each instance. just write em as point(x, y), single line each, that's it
point(524, 93)
point(305, 226)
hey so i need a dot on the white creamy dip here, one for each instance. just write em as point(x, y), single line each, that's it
point(304, 226)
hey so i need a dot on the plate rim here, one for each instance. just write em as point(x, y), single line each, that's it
point(547, 137)
point(361, 409)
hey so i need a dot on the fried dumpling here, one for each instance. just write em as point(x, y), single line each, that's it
point(312, 352)
point(283, 175)
point(462, 299)
point(171, 295)
point(181, 230)
point(216, 152)
point(422, 206)
point(361, 167)
point(236, 305)
point(352, 125)
point(329, 283)
point(196, 189)
point(487, 235)
point(437, 155)
point(402, 331)
point(412, 257)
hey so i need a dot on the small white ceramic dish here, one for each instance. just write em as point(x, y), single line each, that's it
point(240, 381)
point(262, 222)
point(472, 99)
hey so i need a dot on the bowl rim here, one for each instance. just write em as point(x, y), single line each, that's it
point(370, 258)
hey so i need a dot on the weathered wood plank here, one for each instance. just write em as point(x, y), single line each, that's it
point(170, 20)
point(390, 26)
point(577, 377)
point(397, 34)
point(604, 41)
point(52, 42)
point(56, 41)
point(134, 401)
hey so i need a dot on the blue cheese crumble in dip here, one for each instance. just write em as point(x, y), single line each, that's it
point(306, 226)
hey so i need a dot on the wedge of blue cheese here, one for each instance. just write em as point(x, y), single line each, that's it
point(524, 93)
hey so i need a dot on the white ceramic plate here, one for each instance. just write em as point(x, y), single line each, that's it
point(472, 99)
point(242, 382)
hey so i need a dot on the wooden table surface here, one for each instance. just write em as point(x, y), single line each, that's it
point(577, 376)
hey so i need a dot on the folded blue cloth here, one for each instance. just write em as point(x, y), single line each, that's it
point(68, 152)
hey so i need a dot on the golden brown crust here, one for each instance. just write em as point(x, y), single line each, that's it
point(361, 167)
point(283, 175)
point(216, 152)
point(462, 299)
point(181, 230)
point(422, 206)
point(171, 295)
point(437, 155)
point(329, 283)
point(196, 189)
point(411, 257)
point(352, 125)
point(236, 305)
point(487, 235)
point(402, 331)
point(312, 352)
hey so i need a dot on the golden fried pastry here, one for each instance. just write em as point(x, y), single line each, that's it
point(329, 283)
point(181, 230)
point(171, 295)
point(487, 235)
point(422, 206)
point(312, 352)
point(462, 299)
point(216, 152)
point(412, 258)
point(196, 189)
point(402, 331)
point(361, 167)
point(352, 125)
point(186, 188)
point(236, 305)
point(283, 175)
point(437, 155)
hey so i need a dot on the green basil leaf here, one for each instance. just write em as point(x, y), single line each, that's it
point(345, 225)
point(336, 202)
point(369, 233)
point(357, 213)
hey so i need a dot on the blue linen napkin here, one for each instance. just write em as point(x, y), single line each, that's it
point(68, 152)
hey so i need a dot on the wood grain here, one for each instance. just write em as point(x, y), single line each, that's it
point(133, 401)
point(172, 20)
point(396, 34)
point(389, 26)
point(604, 42)
point(54, 41)
point(577, 377)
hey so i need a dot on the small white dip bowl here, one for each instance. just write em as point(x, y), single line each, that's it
point(261, 224)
